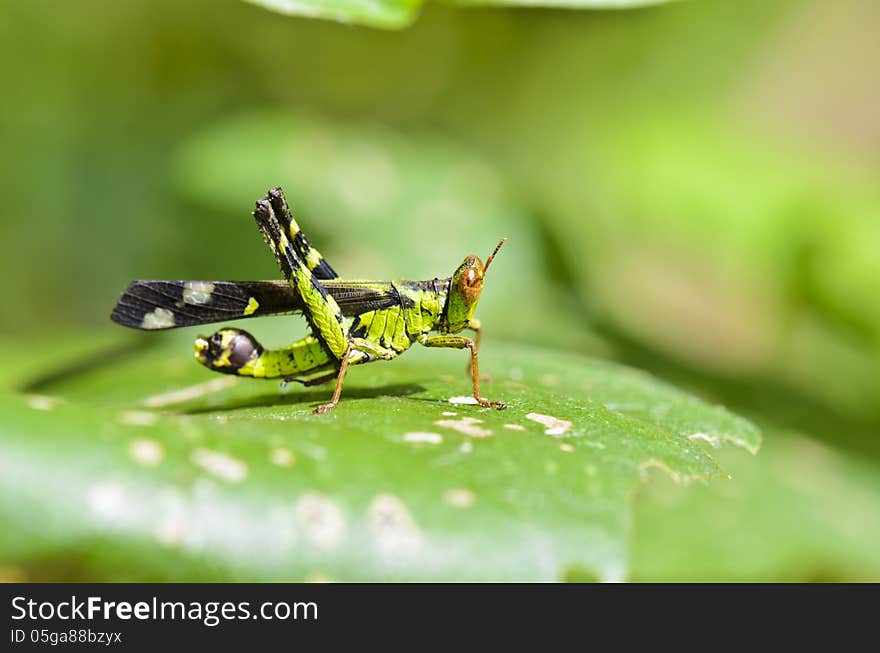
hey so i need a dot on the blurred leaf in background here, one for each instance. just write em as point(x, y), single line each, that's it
point(400, 13)
point(689, 188)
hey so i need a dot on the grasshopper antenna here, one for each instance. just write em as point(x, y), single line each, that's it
point(492, 255)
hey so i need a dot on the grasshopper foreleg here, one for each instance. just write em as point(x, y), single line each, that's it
point(477, 327)
point(462, 342)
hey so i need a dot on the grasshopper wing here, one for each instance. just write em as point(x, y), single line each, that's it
point(154, 305)
point(168, 304)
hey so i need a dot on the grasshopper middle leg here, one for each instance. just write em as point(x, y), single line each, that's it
point(358, 351)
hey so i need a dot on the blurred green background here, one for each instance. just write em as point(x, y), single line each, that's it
point(690, 188)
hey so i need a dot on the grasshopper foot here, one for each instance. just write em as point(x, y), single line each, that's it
point(324, 408)
point(498, 405)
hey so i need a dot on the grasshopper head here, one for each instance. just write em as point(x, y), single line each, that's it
point(228, 350)
point(465, 289)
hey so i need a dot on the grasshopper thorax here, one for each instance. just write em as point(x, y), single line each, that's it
point(465, 289)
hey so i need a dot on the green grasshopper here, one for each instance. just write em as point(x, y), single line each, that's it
point(352, 322)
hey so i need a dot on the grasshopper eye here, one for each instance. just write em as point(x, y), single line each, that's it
point(471, 284)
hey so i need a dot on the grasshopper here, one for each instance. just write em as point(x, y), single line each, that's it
point(351, 322)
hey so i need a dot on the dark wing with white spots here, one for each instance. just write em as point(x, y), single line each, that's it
point(168, 304)
point(155, 305)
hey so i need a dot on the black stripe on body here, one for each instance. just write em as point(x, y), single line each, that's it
point(441, 287)
point(323, 270)
point(404, 301)
point(358, 330)
point(319, 288)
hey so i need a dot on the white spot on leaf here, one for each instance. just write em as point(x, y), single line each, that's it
point(423, 438)
point(554, 425)
point(42, 402)
point(320, 519)
point(460, 498)
point(515, 427)
point(394, 529)
point(567, 448)
point(463, 400)
point(220, 465)
point(146, 452)
point(282, 457)
point(466, 425)
point(138, 418)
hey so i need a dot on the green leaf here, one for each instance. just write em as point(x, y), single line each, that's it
point(801, 512)
point(376, 13)
point(400, 13)
point(151, 467)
